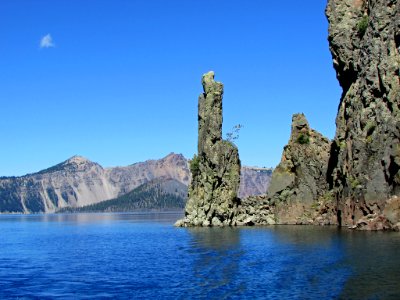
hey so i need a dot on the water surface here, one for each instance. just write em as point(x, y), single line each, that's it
point(142, 256)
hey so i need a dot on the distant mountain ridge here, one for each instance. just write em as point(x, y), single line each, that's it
point(79, 182)
point(157, 194)
point(254, 181)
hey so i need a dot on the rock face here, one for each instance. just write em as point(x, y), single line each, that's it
point(299, 190)
point(216, 169)
point(364, 38)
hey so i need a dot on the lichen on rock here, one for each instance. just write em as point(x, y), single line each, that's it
point(215, 169)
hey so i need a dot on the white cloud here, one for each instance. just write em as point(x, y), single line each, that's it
point(46, 41)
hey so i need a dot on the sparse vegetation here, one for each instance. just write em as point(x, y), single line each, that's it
point(329, 196)
point(303, 139)
point(234, 134)
point(362, 26)
point(195, 164)
point(354, 182)
point(323, 200)
point(342, 145)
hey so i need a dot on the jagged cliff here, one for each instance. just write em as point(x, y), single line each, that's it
point(364, 38)
point(216, 168)
point(355, 180)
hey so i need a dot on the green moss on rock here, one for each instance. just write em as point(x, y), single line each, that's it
point(362, 25)
point(303, 139)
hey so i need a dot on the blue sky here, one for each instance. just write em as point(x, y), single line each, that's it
point(118, 81)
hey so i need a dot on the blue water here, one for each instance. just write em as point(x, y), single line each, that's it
point(142, 256)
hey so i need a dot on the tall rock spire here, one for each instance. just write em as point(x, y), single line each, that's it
point(210, 113)
point(216, 169)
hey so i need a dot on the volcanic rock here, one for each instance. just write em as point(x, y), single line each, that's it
point(364, 38)
point(298, 188)
point(216, 169)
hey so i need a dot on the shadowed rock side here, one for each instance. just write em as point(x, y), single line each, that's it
point(216, 169)
point(364, 38)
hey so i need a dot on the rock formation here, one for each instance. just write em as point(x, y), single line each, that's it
point(355, 180)
point(299, 190)
point(216, 169)
point(364, 38)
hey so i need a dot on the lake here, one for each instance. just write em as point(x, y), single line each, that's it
point(142, 256)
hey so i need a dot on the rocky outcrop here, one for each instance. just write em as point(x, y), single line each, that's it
point(299, 190)
point(216, 169)
point(255, 210)
point(364, 38)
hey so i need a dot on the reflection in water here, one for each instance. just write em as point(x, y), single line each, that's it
point(219, 239)
point(87, 218)
point(306, 236)
point(295, 262)
point(215, 271)
point(375, 260)
point(363, 265)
